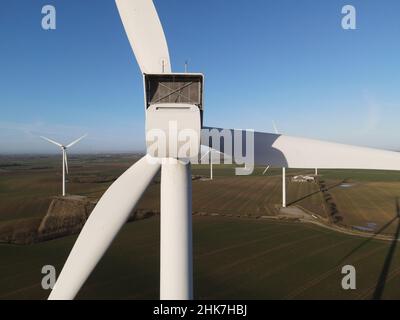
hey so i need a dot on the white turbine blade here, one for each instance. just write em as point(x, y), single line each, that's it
point(205, 151)
point(265, 171)
point(106, 220)
point(145, 34)
point(52, 141)
point(275, 128)
point(76, 141)
point(202, 158)
point(66, 163)
point(292, 152)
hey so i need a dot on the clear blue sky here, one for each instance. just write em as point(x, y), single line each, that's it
point(288, 61)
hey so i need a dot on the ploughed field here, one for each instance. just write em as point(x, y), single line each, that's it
point(361, 199)
point(236, 255)
point(28, 183)
point(234, 258)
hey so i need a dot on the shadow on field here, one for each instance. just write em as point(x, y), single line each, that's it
point(387, 225)
point(322, 189)
point(380, 286)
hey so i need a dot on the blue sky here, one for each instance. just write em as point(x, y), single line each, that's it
point(287, 61)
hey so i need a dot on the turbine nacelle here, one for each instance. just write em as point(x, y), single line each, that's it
point(174, 113)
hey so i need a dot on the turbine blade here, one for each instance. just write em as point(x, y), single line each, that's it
point(265, 171)
point(76, 141)
point(52, 141)
point(205, 155)
point(145, 34)
point(106, 220)
point(291, 152)
point(205, 151)
point(66, 162)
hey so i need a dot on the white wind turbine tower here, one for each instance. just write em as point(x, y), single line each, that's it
point(64, 157)
point(210, 153)
point(283, 172)
point(175, 100)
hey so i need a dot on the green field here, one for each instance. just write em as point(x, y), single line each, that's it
point(27, 184)
point(238, 254)
point(233, 259)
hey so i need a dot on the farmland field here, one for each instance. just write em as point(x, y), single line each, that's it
point(238, 253)
point(362, 198)
point(28, 183)
point(233, 259)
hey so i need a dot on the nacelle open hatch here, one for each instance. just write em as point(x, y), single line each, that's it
point(182, 88)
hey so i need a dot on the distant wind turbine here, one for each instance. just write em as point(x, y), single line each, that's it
point(275, 128)
point(210, 152)
point(65, 158)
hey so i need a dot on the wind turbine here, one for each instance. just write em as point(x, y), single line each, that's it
point(211, 152)
point(275, 127)
point(283, 172)
point(167, 101)
point(64, 158)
